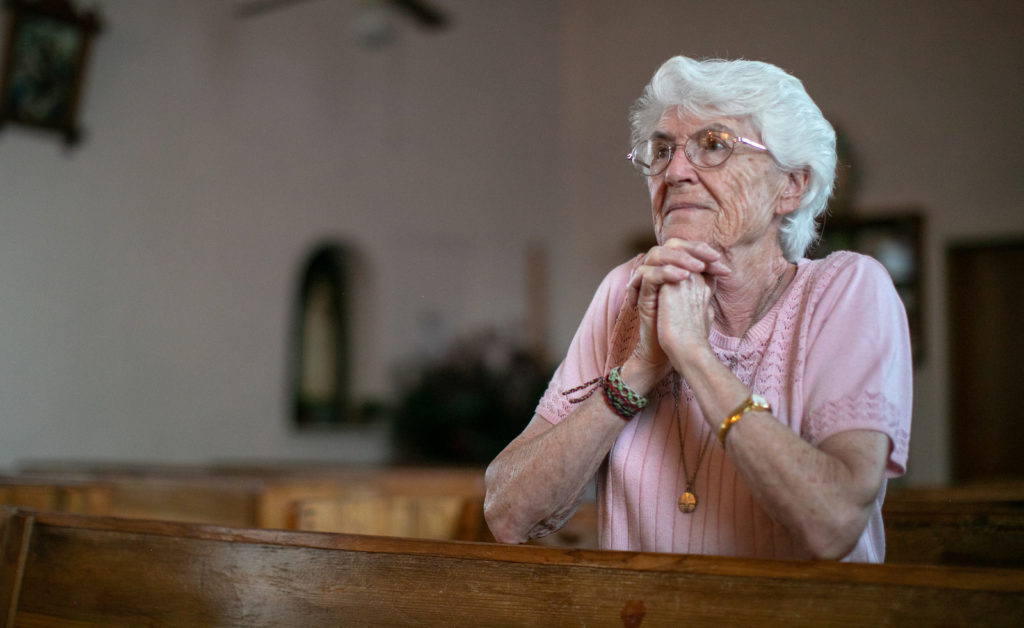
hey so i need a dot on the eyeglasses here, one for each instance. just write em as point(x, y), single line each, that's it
point(706, 148)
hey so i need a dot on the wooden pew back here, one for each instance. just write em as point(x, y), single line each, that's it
point(79, 570)
point(65, 495)
point(281, 493)
point(981, 524)
point(991, 491)
point(238, 498)
point(220, 501)
point(955, 533)
point(440, 517)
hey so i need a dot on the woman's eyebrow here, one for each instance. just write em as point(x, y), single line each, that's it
point(714, 126)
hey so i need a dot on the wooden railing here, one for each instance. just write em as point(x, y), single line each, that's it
point(981, 525)
point(62, 569)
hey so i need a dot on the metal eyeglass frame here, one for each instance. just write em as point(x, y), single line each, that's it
point(725, 136)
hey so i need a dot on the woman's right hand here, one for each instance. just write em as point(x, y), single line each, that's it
point(672, 262)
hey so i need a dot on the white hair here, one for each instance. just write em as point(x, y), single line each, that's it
point(775, 102)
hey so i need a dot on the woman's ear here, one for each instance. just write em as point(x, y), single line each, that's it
point(793, 192)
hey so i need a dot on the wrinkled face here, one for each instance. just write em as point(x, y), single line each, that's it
point(729, 205)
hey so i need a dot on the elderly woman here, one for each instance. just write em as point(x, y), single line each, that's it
point(731, 396)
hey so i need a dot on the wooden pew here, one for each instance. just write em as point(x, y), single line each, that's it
point(75, 496)
point(13, 553)
point(959, 533)
point(981, 523)
point(580, 531)
point(978, 524)
point(932, 529)
point(439, 517)
point(262, 498)
point(931, 532)
point(978, 491)
point(88, 571)
point(281, 493)
point(200, 500)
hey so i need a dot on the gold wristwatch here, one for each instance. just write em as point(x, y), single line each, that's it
point(753, 402)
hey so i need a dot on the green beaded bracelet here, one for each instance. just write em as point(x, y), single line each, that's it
point(624, 400)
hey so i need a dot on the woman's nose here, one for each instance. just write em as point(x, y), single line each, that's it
point(680, 170)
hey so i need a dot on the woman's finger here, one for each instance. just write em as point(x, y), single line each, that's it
point(696, 257)
point(657, 275)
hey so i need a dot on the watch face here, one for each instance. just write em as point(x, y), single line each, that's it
point(760, 402)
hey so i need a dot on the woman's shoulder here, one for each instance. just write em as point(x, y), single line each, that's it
point(609, 297)
point(626, 268)
point(843, 267)
point(615, 281)
point(846, 280)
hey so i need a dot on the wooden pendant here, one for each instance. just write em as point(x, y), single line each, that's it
point(687, 502)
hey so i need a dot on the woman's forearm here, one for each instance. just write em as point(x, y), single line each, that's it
point(534, 484)
point(822, 495)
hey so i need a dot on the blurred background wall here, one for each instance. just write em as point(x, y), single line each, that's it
point(147, 276)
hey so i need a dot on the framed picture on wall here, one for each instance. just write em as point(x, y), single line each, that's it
point(46, 50)
point(895, 240)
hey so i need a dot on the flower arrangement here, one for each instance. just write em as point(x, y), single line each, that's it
point(465, 407)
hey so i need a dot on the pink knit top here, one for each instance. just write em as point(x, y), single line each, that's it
point(832, 354)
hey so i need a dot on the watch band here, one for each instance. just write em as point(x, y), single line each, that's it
point(753, 402)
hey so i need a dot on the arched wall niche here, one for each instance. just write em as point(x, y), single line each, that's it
point(321, 339)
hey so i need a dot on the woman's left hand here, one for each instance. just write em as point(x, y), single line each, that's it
point(685, 315)
point(675, 263)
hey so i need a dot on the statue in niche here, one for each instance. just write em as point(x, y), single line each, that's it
point(320, 362)
point(318, 384)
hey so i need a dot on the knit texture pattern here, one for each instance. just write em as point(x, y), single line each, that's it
point(832, 354)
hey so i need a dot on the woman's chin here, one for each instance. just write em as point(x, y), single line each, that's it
point(689, 234)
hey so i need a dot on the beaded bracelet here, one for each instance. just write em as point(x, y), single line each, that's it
point(625, 401)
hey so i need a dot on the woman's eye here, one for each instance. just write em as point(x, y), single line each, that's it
point(711, 142)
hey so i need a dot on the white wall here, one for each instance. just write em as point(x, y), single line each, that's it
point(146, 277)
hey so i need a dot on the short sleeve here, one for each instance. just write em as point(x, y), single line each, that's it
point(858, 371)
point(587, 354)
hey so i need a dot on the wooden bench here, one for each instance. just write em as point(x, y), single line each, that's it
point(979, 491)
point(252, 499)
point(61, 569)
point(200, 500)
point(980, 525)
point(961, 533)
point(935, 530)
point(957, 525)
point(580, 531)
point(438, 503)
point(75, 496)
point(440, 517)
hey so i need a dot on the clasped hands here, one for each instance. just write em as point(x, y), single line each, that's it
point(672, 289)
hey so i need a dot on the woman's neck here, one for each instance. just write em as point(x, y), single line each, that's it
point(746, 295)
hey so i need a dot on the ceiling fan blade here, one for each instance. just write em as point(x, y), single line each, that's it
point(420, 11)
point(253, 8)
point(423, 12)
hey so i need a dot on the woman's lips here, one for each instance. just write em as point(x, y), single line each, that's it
point(682, 205)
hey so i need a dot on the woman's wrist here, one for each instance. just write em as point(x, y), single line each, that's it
point(642, 376)
point(696, 355)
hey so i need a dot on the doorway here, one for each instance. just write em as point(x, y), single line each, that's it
point(986, 314)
